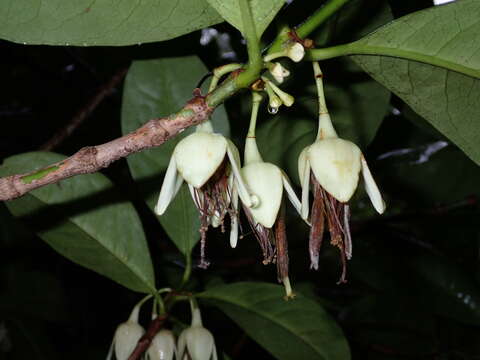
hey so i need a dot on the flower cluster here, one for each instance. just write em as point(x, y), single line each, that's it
point(210, 164)
point(195, 342)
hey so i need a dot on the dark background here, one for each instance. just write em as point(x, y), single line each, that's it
point(413, 290)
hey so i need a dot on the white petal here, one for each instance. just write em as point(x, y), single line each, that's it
point(182, 344)
point(291, 194)
point(200, 343)
point(162, 346)
point(126, 338)
point(168, 188)
point(110, 351)
point(234, 158)
point(199, 155)
point(234, 220)
point(265, 181)
point(304, 175)
point(336, 165)
point(372, 188)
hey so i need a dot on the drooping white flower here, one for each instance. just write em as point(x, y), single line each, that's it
point(210, 164)
point(268, 182)
point(196, 342)
point(331, 167)
point(162, 346)
point(126, 337)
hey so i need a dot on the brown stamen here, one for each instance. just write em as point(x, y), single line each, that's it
point(264, 237)
point(337, 217)
point(213, 201)
point(281, 245)
point(318, 221)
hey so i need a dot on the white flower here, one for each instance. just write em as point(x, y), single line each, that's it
point(162, 346)
point(267, 181)
point(196, 342)
point(126, 337)
point(335, 165)
point(209, 163)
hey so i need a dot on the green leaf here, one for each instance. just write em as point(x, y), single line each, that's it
point(83, 219)
point(431, 59)
point(296, 329)
point(263, 12)
point(156, 88)
point(102, 22)
point(452, 291)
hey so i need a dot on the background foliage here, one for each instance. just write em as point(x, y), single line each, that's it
point(413, 289)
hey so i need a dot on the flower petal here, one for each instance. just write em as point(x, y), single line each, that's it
point(182, 344)
point(304, 175)
point(199, 155)
point(200, 343)
point(372, 188)
point(265, 181)
point(162, 346)
point(169, 186)
point(234, 218)
point(336, 165)
point(291, 194)
point(126, 338)
point(234, 157)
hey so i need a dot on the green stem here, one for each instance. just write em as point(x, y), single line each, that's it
point(322, 104)
point(312, 23)
point(319, 17)
point(188, 270)
point(255, 62)
point(256, 100)
point(220, 71)
point(357, 48)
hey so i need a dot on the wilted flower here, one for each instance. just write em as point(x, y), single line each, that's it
point(162, 346)
point(332, 166)
point(209, 163)
point(196, 342)
point(126, 336)
point(267, 181)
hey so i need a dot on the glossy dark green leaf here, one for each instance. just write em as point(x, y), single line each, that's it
point(155, 88)
point(263, 12)
point(296, 329)
point(101, 22)
point(84, 219)
point(431, 59)
point(447, 288)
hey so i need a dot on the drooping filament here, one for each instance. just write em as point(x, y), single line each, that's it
point(327, 209)
point(264, 237)
point(214, 201)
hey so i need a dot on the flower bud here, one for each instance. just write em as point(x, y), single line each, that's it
point(296, 52)
point(278, 72)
